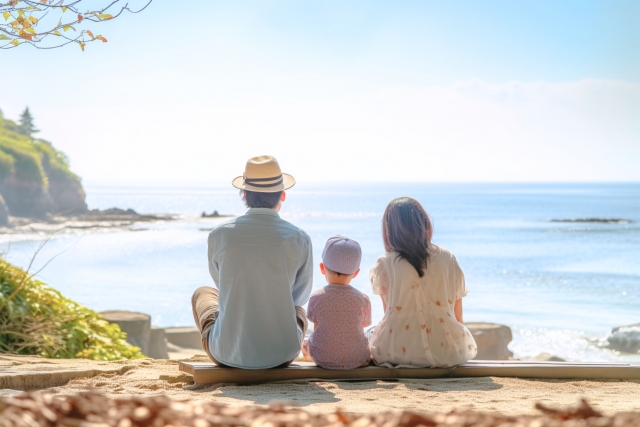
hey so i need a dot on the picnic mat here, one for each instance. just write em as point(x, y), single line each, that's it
point(210, 373)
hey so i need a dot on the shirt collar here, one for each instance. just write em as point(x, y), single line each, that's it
point(262, 211)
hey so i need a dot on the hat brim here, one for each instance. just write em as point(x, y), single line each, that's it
point(287, 182)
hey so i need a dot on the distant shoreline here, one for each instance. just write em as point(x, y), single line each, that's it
point(113, 218)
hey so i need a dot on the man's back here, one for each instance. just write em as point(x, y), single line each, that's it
point(262, 267)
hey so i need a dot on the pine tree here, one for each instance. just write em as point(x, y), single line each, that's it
point(26, 123)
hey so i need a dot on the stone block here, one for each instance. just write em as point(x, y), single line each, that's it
point(184, 337)
point(492, 340)
point(136, 325)
point(158, 344)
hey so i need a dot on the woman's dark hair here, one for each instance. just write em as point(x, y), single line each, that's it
point(407, 230)
point(254, 199)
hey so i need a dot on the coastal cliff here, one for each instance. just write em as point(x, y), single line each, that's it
point(35, 178)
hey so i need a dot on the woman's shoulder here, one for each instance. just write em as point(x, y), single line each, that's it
point(437, 251)
point(387, 258)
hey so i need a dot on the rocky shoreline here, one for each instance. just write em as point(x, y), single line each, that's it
point(113, 218)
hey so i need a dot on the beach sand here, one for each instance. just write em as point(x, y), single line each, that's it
point(510, 396)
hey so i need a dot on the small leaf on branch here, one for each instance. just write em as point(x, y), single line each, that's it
point(82, 46)
point(64, 9)
point(90, 34)
point(80, 18)
point(105, 16)
point(31, 30)
point(33, 19)
point(57, 33)
point(68, 27)
point(43, 1)
point(15, 42)
point(6, 15)
point(102, 39)
point(3, 37)
point(21, 12)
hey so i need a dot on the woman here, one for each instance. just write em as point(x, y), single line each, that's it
point(421, 286)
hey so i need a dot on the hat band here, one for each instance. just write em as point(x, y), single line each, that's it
point(255, 182)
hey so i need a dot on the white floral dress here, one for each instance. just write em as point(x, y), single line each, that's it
point(419, 327)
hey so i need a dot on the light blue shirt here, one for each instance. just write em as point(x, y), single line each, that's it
point(262, 266)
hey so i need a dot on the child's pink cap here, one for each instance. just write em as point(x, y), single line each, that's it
point(342, 255)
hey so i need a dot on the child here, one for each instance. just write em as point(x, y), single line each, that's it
point(338, 311)
point(421, 286)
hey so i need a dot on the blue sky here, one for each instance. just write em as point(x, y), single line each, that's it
point(395, 91)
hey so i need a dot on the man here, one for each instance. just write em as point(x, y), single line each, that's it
point(262, 268)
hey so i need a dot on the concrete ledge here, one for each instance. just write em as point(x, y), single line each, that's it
point(184, 337)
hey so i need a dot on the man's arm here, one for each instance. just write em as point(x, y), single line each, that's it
point(213, 266)
point(303, 284)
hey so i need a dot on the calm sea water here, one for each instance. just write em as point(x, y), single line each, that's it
point(561, 287)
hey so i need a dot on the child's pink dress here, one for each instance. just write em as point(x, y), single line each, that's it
point(339, 312)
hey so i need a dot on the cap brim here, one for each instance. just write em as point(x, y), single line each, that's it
point(287, 182)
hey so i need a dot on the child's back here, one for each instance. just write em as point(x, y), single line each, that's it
point(340, 312)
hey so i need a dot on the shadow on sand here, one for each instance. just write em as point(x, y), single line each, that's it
point(295, 393)
point(434, 385)
point(303, 393)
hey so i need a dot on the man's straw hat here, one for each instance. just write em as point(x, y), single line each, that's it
point(263, 175)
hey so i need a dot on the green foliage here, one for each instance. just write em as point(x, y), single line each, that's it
point(7, 164)
point(56, 163)
point(31, 161)
point(36, 319)
point(27, 127)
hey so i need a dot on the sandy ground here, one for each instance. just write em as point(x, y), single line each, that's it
point(510, 396)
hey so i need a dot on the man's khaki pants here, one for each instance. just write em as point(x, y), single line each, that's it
point(204, 304)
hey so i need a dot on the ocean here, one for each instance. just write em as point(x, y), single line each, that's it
point(560, 286)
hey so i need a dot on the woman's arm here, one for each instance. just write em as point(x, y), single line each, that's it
point(457, 310)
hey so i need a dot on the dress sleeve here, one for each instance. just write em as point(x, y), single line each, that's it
point(379, 278)
point(366, 311)
point(459, 286)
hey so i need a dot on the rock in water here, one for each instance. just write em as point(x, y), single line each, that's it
point(625, 339)
point(546, 357)
point(492, 340)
